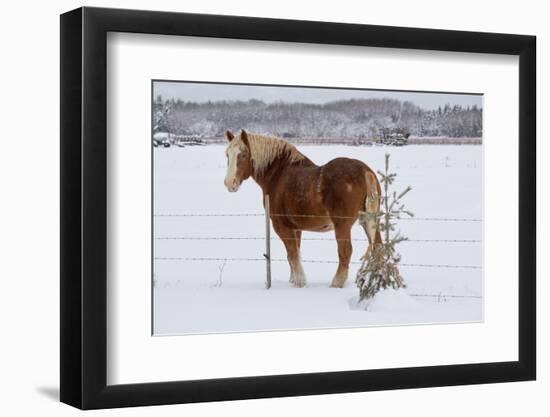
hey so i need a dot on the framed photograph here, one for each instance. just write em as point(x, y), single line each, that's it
point(256, 208)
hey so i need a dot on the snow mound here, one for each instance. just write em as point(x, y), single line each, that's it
point(386, 301)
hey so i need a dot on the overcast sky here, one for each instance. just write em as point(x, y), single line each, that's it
point(201, 92)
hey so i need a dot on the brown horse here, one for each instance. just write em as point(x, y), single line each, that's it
point(306, 197)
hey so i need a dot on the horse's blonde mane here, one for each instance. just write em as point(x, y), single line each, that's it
point(265, 149)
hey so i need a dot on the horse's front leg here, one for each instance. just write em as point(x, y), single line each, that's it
point(291, 239)
point(343, 237)
point(297, 262)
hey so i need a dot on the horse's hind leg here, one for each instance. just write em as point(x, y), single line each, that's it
point(291, 239)
point(343, 237)
point(370, 223)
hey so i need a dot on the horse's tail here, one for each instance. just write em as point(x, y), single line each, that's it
point(369, 218)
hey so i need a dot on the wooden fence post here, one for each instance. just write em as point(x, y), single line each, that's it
point(267, 254)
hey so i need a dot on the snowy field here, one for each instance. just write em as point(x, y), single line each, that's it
point(198, 296)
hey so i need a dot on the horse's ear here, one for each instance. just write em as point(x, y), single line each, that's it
point(229, 135)
point(244, 138)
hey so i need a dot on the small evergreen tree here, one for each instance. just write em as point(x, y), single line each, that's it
point(380, 266)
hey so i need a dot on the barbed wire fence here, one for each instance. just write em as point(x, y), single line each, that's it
point(268, 238)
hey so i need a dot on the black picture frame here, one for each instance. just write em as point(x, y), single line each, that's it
point(84, 207)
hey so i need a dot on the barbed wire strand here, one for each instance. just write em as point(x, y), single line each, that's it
point(445, 296)
point(308, 239)
point(308, 261)
point(439, 219)
point(439, 296)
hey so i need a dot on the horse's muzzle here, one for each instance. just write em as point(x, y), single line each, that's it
point(232, 186)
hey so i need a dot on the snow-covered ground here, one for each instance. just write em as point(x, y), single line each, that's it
point(198, 296)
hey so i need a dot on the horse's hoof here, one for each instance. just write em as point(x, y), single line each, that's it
point(299, 284)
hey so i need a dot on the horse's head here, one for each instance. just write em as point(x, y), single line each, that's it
point(239, 160)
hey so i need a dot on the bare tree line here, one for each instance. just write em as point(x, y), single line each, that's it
point(351, 119)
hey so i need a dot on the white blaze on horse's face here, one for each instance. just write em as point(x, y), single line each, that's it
point(232, 182)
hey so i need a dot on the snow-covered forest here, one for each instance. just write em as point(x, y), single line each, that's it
point(350, 119)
